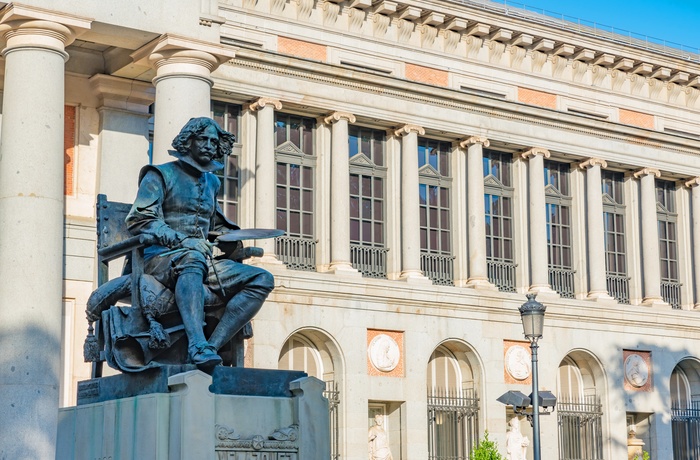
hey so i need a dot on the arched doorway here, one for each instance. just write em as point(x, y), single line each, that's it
point(453, 402)
point(313, 352)
point(685, 410)
point(579, 408)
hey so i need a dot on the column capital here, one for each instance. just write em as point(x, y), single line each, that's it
point(535, 151)
point(122, 93)
point(263, 102)
point(646, 172)
point(337, 116)
point(26, 26)
point(173, 55)
point(408, 129)
point(471, 140)
point(694, 182)
point(591, 162)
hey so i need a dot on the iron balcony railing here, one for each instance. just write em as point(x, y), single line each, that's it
point(369, 260)
point(671, 293)
point(453, 424)
point(438, 267)
point(332, 393)
point(580, 428)
point(562, 281)
point(619, 287)
point(685, 429)
point(502, 275)
point(296, 253)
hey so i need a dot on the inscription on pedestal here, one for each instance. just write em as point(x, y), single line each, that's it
point(88, 389)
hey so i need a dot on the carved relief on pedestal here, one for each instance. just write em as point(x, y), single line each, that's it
point(280, 444)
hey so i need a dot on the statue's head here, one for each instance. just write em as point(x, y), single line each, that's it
point(203, 135)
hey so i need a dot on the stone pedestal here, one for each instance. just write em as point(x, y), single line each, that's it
point(236, 413)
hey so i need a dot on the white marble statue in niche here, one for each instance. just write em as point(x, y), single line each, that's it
point(516, 443)
point(379, 440)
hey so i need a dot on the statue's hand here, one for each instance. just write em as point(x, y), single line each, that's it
point(197, 244)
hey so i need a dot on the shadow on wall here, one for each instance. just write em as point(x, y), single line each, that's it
point(29, 392)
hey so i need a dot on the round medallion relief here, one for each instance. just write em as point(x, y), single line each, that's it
point(636, 370)
point(518, 362)
point(384, 353)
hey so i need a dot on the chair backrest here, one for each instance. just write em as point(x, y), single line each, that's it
point(111, 225)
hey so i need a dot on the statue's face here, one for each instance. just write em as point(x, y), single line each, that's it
point(204, 146)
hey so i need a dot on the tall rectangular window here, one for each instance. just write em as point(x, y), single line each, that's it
point(559, 247)
point(296, 161)
point(668, 242)
point(614, 231)
point(498, 206)
point(437, 262)
point(228, 117)
point(367, 203)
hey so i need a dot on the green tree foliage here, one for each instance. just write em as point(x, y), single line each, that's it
point(486, 450)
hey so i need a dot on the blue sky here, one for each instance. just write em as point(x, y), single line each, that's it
point(676, 21)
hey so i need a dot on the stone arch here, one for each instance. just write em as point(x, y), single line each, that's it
point(454, 386)
point(319, 344)
point(581, 405)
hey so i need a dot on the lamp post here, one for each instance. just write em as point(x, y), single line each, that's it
point(532, 316)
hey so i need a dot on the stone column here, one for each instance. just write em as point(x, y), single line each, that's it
point(476, 225)
point(694, 186)
point(265, 173)
point(410, 206)
point(340, 193)
point(539, 265)
point(597, 281)
point(31, 219)
point(123, 134)
point(183, 83)
point(650, 236)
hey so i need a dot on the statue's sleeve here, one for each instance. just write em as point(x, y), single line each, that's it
point(146, 215)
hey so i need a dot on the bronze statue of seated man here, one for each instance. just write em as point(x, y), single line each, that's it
point(176, 208)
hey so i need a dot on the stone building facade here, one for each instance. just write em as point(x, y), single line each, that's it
point(431, 162)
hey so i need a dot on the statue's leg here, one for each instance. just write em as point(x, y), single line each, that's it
point(189, 297)
point(246, 287)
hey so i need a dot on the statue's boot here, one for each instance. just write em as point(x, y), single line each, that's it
point(189, 296)
point(243, 306)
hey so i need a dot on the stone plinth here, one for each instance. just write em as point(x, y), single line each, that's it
point(236, 413)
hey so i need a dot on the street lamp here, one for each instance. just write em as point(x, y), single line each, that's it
point(532, 316)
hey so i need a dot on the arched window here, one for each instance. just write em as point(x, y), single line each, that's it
point(453, 408)
point(579, 411)
point(299, 354)
point(685, 409)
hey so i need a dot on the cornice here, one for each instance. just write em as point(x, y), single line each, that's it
point(450, 98)
point(438, 27)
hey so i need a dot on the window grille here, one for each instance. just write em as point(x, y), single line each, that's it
point(367, 214)
point(332, 394)
point(453, 424)
point(498, 206)
point(668, 242)
point(614, 230)
point(559, 245)
point(228, 117)
point(580, 423)
point(434, 207)
point(294, 152)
